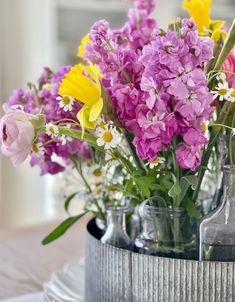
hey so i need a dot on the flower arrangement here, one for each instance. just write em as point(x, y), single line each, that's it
point(152, 101)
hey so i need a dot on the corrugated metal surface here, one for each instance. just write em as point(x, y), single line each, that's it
point(115, 275)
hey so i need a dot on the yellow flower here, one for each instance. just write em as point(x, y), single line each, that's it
point(199, 10)
point(81, 48)
point(82, 83)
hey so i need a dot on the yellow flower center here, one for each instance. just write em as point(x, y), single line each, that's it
point(51, 129)
point(155, 162)
point(102, 125)
point(98, 191)
point(107, 136)
point(97, 172)
point(203, 126)
point(35, 148)
point(222, 91)
point(46, 86)
point(66, 100)
point(233, 93)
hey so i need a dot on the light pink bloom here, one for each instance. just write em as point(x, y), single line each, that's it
point(16, 134)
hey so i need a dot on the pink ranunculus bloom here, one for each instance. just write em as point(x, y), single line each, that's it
point(16, 134)
point(229, 66)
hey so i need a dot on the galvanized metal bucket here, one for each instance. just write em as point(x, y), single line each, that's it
point(116, 275)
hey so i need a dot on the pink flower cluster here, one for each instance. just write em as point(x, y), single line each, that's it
point(156, 81)
point(42, 99)
point(178, 98)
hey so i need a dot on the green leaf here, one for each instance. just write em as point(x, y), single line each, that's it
point(191, 208)
point(175, 190)
point(62, 228)
point(68, 200)
point(185, 183)
point(38, 121)
point(143, 187)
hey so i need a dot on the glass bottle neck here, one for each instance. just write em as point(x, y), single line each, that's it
point(116, 219)
point(229, 184)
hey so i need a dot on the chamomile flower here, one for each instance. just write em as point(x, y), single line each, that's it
point(65, 102)
point(156, 162)
point(222, 91)
point(100, 123)
point(231, 95)
point(37, 149)
point(52, 130)
point(108, 137)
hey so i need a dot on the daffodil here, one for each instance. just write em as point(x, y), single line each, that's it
point(82, 83)
point(81, 48)
point(199, 10)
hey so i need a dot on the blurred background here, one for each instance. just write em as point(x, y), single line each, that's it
point(38, 33)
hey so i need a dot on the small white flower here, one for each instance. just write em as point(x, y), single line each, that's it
point(37, 149)
point(108, 137)
point(221, 77)
point(52, 130)
point(64, 138)
point(233, 131)
point(222, 91)
point(156, 162)
point(65, 102)
point(231, 95)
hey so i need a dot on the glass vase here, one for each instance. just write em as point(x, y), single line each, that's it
point(116, 234)
point(166, 232)
point(217, 230)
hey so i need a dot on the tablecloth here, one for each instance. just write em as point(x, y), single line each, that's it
point(25, 264)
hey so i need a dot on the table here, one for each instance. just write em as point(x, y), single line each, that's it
point(25, 264)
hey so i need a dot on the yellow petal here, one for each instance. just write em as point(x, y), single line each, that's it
point(96, 110)
point(81, 48)
point(82, 83)
point(199, 10)
point(218, 35)
point(84, 118)
point(216, 24)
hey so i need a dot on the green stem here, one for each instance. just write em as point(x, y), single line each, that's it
point(228, 45)
point(137, 161)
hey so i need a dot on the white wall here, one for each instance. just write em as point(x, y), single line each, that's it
point(27, 44)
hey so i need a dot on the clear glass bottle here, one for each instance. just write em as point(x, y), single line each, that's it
point(166, 232)
point(217, 230)
point(223, 159)
point(116, 234)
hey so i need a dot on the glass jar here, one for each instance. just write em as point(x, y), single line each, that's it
point(116, 234)
point(217, 230)
point(166, 232)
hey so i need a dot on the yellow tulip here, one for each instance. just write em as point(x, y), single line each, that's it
point(81, 48)
point(82, 83)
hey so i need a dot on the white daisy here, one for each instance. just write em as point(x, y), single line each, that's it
point(156, 162)
point(222, 91)
point(37, 149)
point(52, 130)
point(108, 137)
point(231, 95)
point(64, 138)
point(65, 102)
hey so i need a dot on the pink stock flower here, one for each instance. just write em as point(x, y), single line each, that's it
point(16, 135)
point(229, 66)
point(188, 157)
